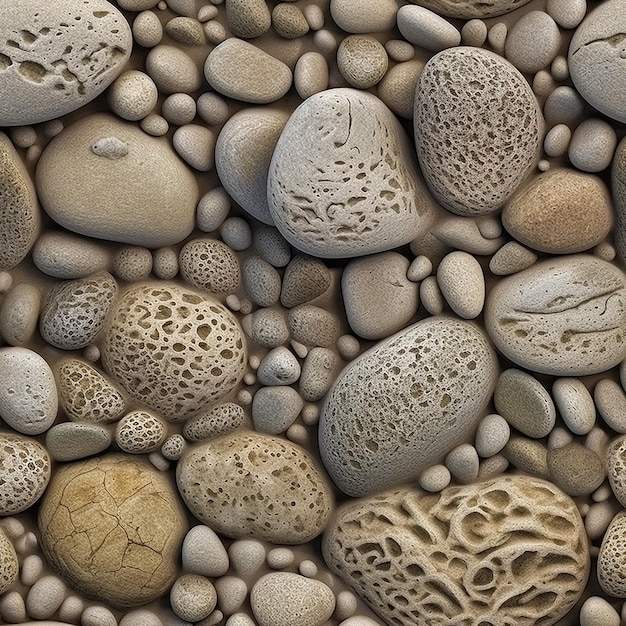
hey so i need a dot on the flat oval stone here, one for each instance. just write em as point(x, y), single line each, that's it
point(564, 316)
point(468, 9)
point(66, 54)
point(482, 553)
point(596, 59)
point(240, 70)
point(494, 117)
point(353, 190)
point(70, 441)
point(112, 526)
point(402, 405)
point(145, 197)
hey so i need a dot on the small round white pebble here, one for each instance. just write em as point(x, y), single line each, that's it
point(212, 108)
point(154, 124)
point(492, 435)
point(279, 558)
point(610, 401)
point(147, 29)
point(308, 568)
point(474, 33)
point(560, 68)
point(232, 592)
point(240, 619)
point(23, 136)
point(246, 556)
point(13, 608)
point(420, 268)
point(346, 604)
point(195, 144)
point(575, 404)
point(179, 109)
point(463, 463)
point(567, 14)
point(592, 146)
point(314, 16)
point(133, 95)
point(204, 553)
point(141, 617)
point(236, 233)
point(45, 597)
point(132, 263)
point(559, 438)
point(399, 50)
point(97, 616)
point(430, 295)
point(426, 28)
point(298, 434)
point(596, 611)
point(212, 209)
point(435, 478)
point(598, 518)
point(72, 609)
point(497, 37)
point(165, 263)
point(193, 597)
point(31, 570)
point(348, 347)
point(557, 140)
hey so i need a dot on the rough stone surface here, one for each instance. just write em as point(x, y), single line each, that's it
point(9, 565)
point(512, 550)
point(612, 558)
point(468, 9)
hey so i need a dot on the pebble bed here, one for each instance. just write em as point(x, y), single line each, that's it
point(313, 313)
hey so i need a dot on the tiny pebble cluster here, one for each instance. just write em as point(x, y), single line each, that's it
point(313, 313)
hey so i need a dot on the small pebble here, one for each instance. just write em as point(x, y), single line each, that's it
point(592, 146)
point(132, 263)
point(232, 592)
point(236, 233)
point(435, 478)
point(596, 611)
point(430, 295)
point(575, 404)
point(533, 42)
point(246, 556)
point(280, 558)
point(427, 29)
point(274, 409)
point(45, 597)
point(474, 33)
point(97, 616)
point(492, 434)
point(179, 109)
point(610, 401)
point(463, 463)
point(193, 597)
point(133, 95)
point(575, 469)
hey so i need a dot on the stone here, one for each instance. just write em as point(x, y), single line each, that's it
point(243, 153)
point(593, 145)
point(173, 70)
point(467, 9)
point(618, 188)
point(179, 108)
point(213, 209)
point(318, 373)
point(24, 473)
point(597, 611)
point(261, 280)
point(86, 394)
point(45, 597)
point(66, 54)
point(217, 479)
point(474, 33)
point(313, 326)
point(218, 420)
point(247, 557)
point(195, 144)
point(364, 16)
point(146, 198)
point(147, 28)
point(402, 405)
point(28, 394)
point(132, 263)
point(378, 298)
point(288, 21)
point(305, 279)
point(426, 28)
point(616, 467)
point(165, 263)
point(133, 95)
point(193, 597)
point(494, 117)
point(73, 313)
point(236, 233)
point(203, 553)
point(286, 599)
point(483, 552)
point(577, 470)
point(611, 560)
point(492, 434)
point(533, 42)
point(232, 592)
point(112, 526)
point(564, 316)
point(278, 367)
point(140, 432)
point(397, 87)
point(574, 404)
point(567, 14)
point(19, 209)
point(248, 18)
point(9, 566)
point(311, 74)
point(158, 335)
point(557, 140)
point(560, 212)
point(563, 105)
point(362, 60)
point(275, 409)
point(435, 478)
point(512, 257)
point(239, 70)
point(336, 199)
point(268, 328)
point(19, 314)
point(462, 284)
point(610, 400)
point(595, 59)
point(185, 30)
point(70, 441)
point(463, 463)
point(211, 265)
point(528, 455)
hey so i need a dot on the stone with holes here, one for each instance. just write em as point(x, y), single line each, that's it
point(402, 405)
point(353, 190)
point(55, 57)
point(173, 349)
point(477, 139)
point(511, 550)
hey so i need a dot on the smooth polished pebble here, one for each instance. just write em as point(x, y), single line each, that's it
point(512, 257)
point(462, 284)
point(597, 611)
point(575, 404)
point(533, 42)
point(610, 401)
point(593, 145)
point(492, 434)
point(19, 314)
point(364, 17)
point(567, 14)
point(463, 463)
point(425, 28)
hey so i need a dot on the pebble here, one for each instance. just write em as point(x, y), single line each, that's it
point(567, 14)
point(268, 328)
point(19, 314)
point(261, 280)
point(431, 296)
point(179, 109)
point(557, 140)
point(435, 478)
point(473, 8)
point(462, 284)
point(511, 258)
point(474, 520)
point(364, 17)
point(575, 405)
point(213, 476)
point(86, 502)
point(397, 87)
point(150, 196)
point(378, 297)
point(240, 619)
point(291, 600)
point(596, 611)
point(28, 395)
point(575, 469)
point(133, 95)
point(496, 37)
point(213, 209)
point(232, 592)
point(598, 518)
point(247, 557)
point(154, 125)
point(492, 434)
point(193, 597)
point(203, 553)
point(172, 70)
point(97, 616)
point(310, 75)
point(618, 187)
point(13, 607)
point(288, 21)
point(482, 184)
point(70, 441)
point(175, 323)
point(73, 313)
point(533, 42)
point(366, 440)
point(314, 16)
point(318, 374)
point(211, 265)
point(593, 145)
point(474, 33)
point(45, 597)
point(305, 279)
point(362, 60)
point(64, 33)
point(143, 617)
point(140, 432)
point(195, 144)
point(610, 401)
point(335, 170)
point(574, 302)
point(595, 59)
point(528, 455)
point(463, 233)
point(248, 18)
point(132, 263)
point(243, 153)
point(278, 367)
point(559, 69)
point(563, 106)
point(173, 447)
point(463, 463)
point(348, 347)
point(185, 30)
point(147, 29)
point(63, 255)
point(426, 29)
point(239, 70)
point(313, 326)
point(275, 409)
point(218, 420)
point(31, 569)
point(611, 560)
point(616, 466)
point(9, 568)
point(236, 233)
point(280, 558)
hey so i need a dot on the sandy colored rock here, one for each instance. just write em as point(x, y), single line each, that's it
point(9, 565)
point(560, 212)
point(467, 9)
point(612, 558)
point(112, 527)
point(486, 552)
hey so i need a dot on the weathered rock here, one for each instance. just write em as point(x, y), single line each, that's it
point(468, 9)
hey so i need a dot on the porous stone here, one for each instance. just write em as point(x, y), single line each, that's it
point(218, 420)
point(278, 367)
point(28, 394)
point(595, 59)
point(24, 472)
point(336, 199)
point(533, 42)
point(268, 328)
point(467, 9)
point(612, 557)
point(243, 153)
point(86, 394)
point(140, 432)
point(19, 209)
point(313, 326)
point(462, 283)
point(286, 599)
point(73, 313)
point(507, 539)
point(210, 264)
point(494, 117)
point(403, 404)
point(9, 566)
point(218, 478)
point(616, 468)
point(318, 373)
point(146, 197)
point(132, 263)
point(305, 279)
point(158, 335)
point(19, 313)
point(565, 316)
point(66, 54)
point(261, 280)
point(70, 441)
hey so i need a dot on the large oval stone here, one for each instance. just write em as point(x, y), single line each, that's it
point(57, 56)
point(468, 9)
point(512, 550)
point(113, 527)
point(342, 182)
point(565, 316)
point(406, 402)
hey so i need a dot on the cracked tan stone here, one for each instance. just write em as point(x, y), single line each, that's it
point(113, 527)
